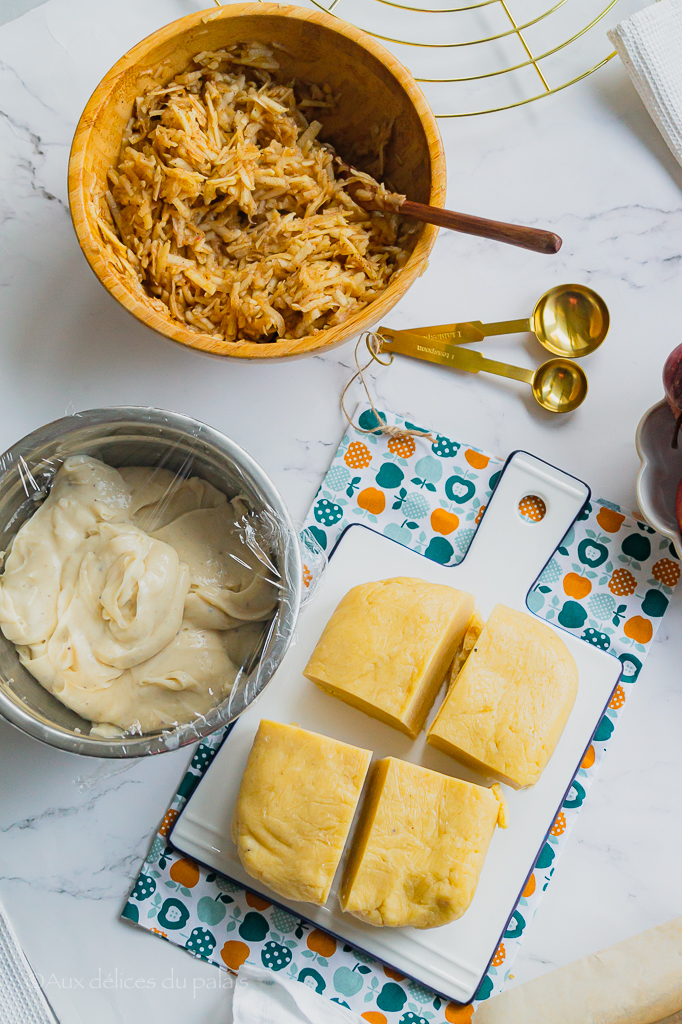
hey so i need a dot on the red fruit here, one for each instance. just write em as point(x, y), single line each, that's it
point(672, 382)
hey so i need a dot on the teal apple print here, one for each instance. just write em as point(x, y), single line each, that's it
point(254, 927)
point(389, 476)
point(368, 420)
point(275, 956)
point(327, 512)
point(604, 729)
point(444, 448)
point(601, 606)
point(173, 914)
point(597, 639)
point(399, 533)
point(391, 998)
point(201, 942)
point(654, 603)
point(313, 979)
point(428, 471)
point(636, 546)
point(211, 911)
point(337, 478)
point(632, 666)
point(572, 615)
point(319, 535)
point(459, 490)
point(131, 912)
point(591, 553)
point(546, 856)
point(144, 887)
point(515, 926)
point(439, 550)
point(346, 981)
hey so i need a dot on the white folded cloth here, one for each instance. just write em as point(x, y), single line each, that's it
point(650, 45)
point(262, 996)
point(22, 1001)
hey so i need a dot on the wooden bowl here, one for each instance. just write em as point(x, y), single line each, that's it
point(372, 87)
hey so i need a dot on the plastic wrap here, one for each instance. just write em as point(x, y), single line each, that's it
point(152, 591)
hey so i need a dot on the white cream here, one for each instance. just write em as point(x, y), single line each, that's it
point(127, 592)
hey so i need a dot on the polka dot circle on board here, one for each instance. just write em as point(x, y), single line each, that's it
point(532, 508)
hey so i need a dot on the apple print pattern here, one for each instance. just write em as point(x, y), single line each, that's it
point(609, 583)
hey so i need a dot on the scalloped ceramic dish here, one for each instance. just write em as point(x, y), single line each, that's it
point(660, 471)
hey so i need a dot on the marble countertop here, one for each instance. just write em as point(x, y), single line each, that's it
point(588, 163)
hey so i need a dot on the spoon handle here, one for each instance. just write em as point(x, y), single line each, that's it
point(473, 330)
point(436, 350)
point(535, 239)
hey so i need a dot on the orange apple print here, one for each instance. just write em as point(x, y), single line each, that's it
point(455, 1014)
point(666, 571)
point(372, 500)
point(233, 954)
point(588, 759)
point(358, 455)
point(559, 826)
point(639, 629)
point(321, 943)
point(443, 522)
point(618, 698)
point(479, 514)
point(374, 1017)
point(257, 902)
point(610, 520)
point(475, 459)
point(168, 822)
point(623, 583)
point(185, 872)
point(393, 975)
point(500, 954)
point(576, 586)
point(403, 446)
point(307, 576)
point(530, 887)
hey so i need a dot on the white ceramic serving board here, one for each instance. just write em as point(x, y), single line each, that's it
point(504, 560)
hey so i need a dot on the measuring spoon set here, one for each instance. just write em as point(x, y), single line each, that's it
point(570, 321)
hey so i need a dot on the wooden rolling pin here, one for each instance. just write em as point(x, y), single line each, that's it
point(638, 981)
point(370, 198)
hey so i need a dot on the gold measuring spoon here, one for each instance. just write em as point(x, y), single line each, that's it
point(559, 385)
point(569, 320)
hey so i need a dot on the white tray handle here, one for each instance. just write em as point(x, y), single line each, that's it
point(505, 538)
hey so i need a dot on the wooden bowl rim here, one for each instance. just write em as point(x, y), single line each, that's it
point(91, 245)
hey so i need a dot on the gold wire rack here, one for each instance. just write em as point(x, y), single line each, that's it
point(498, 52)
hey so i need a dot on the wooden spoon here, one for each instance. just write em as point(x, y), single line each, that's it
point(370, 198)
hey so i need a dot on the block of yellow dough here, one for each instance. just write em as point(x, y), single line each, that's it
point(419, 846)
point(387, 647)
point(505, 711)
point(295, 805)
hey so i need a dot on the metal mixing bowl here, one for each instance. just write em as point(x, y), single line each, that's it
point(129, 436)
